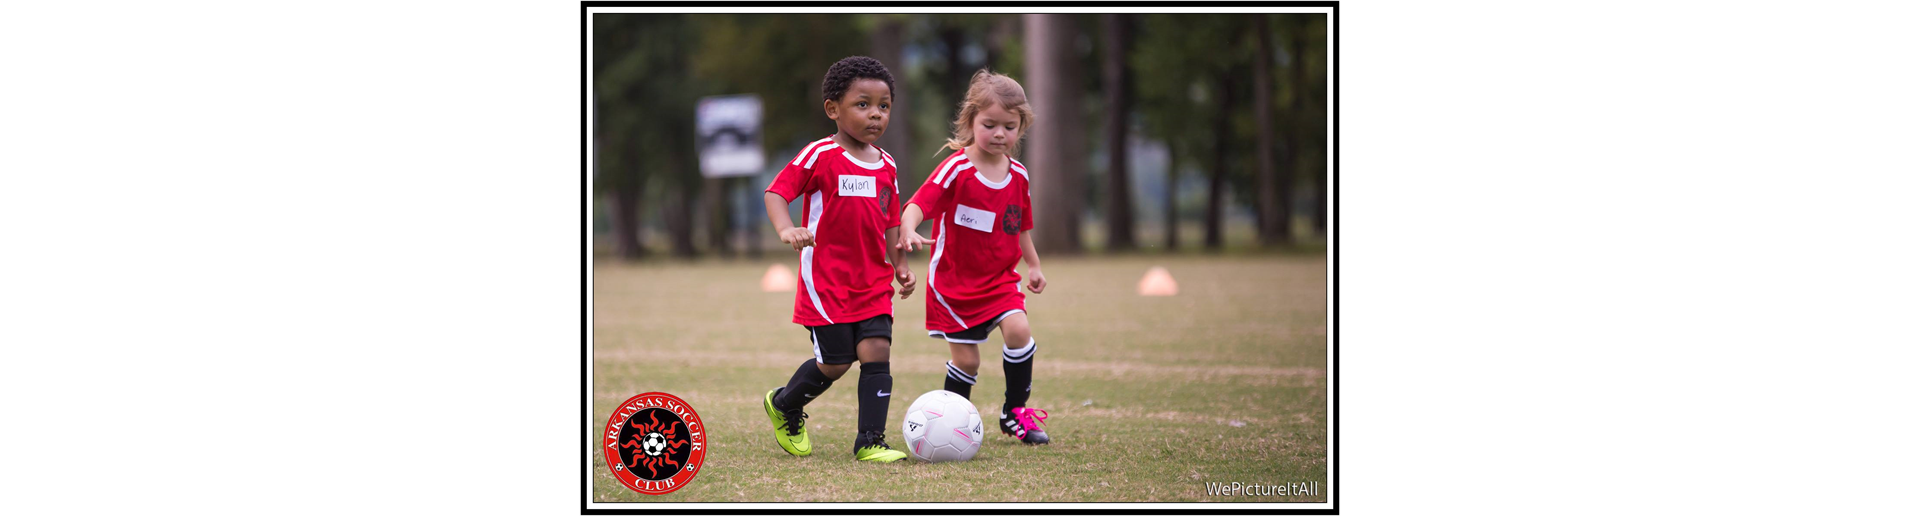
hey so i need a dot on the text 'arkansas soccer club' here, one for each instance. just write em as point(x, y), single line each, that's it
point(659, 482)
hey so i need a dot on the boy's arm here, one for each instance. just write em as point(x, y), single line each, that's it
point(794, 180)
point(783, 222)
point(1036, 281)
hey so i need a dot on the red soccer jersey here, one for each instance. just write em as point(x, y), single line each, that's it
point(976, 232)
point(845, 277)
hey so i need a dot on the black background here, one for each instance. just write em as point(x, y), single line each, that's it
point(631, 431)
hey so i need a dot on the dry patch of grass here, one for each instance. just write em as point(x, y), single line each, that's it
point(1145, 393)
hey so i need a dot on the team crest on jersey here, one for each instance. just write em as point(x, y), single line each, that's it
point(1010, 222)
point(886, 198)
point(654, 443)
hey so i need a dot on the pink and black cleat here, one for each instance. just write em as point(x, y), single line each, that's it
point(1024, 424)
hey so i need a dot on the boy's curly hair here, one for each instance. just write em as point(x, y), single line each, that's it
point(843, 73)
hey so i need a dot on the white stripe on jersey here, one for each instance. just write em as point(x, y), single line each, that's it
point(820, 150)
point(810, 146)
point(956, 173)
point(940, 175)
point(814, 209)
point(889, 159)
point(1023, 174)
point(940, 247)
point(815, 205)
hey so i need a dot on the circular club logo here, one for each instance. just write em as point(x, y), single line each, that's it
point(654, 443)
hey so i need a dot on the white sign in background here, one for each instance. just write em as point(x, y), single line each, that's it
point(729, 136)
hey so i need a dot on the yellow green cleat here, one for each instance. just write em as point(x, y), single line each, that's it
point(872, 447)
point(789, 427)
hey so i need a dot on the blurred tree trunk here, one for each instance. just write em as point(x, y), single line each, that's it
point(625, 205)
point(1114, 81)
point(628, 183)
point(1173, 211)
point(1303, 83)
point(676, 213)
point(1274, 191)
point(955, 86)
point(752, 232)
point(719, 241)
point(617, 174)
point(1058, 151)
point(1322, 190)
point(1004, 29)
point(677, 210)
point(888, 43)
point(1216, 189)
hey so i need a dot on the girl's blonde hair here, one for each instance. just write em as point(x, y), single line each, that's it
point(988, 89)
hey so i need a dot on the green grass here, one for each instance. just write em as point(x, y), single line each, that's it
point(1245, 341)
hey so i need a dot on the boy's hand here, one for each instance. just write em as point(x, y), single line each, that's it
point(1036, 281)
point(910, 240)
point(905, 277)
point(797, 237)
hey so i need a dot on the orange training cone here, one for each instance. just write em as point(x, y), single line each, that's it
point(777, 279)
point(1158, 283)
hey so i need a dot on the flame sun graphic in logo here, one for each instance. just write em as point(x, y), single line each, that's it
point(654, 440)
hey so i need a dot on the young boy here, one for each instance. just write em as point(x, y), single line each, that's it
point(846, 255)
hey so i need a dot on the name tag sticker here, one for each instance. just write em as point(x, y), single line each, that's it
point(857, 186)
point(977, 219)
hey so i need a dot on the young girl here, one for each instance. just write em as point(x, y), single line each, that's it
point(982, 211)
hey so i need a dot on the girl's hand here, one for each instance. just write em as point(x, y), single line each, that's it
point(905, 277)
point(910, 240)
point(797, 237)
point(1036, 281)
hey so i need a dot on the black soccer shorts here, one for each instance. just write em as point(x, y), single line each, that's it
point(974, 335)
point(835, 343)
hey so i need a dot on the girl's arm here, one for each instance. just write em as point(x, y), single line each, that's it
point(910, 238)
point(901, 273)
point(1036, 281)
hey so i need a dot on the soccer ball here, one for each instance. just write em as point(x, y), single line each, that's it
point(654, 444)
point(942, 426)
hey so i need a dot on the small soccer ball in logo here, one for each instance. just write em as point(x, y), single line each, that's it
point(654, 444)
point(942, 426)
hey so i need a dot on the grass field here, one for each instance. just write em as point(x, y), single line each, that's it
point(1150, 397)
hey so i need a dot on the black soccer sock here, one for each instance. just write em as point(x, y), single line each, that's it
point(959, 381)
point(807, 383)
point(876, 389)
point(1019, 364)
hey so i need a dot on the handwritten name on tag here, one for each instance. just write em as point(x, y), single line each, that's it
point(977, 219)
point(857, 186)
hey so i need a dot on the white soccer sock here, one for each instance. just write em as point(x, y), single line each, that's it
point(1019, 355)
